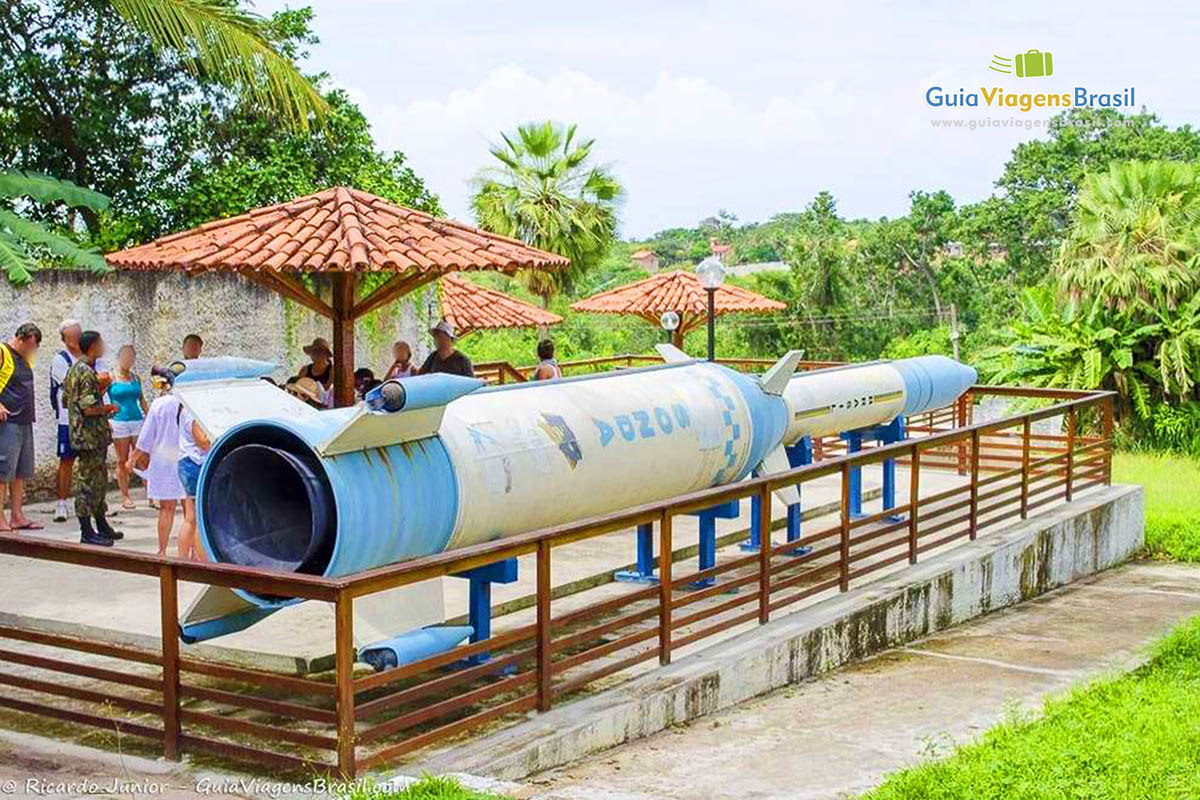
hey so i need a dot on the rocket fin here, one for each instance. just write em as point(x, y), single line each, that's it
point(775, 380)
point(774, 463)
point(217, 611)
point(672, 354)
point(221, 404)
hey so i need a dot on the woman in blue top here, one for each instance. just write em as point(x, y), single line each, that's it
point(126, 394)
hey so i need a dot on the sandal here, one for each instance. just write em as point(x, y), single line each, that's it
point(128, 505)
point(29, 526)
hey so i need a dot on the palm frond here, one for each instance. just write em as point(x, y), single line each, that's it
point(58, 245)
point(15, 260)
point(46, 189)
point(231, 45)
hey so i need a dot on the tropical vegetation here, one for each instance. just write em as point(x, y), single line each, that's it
point(548, 192)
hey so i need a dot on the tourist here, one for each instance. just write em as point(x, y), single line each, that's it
point(16, 424)
point(194, 445)
point(547, 368)
point(156, 457)
point(446, 357)
point(69, 331)
point(308, 391)
point(320, 366)
point(402, 366)
point(126, 394)
point(362, 376)
point(88, 416)
point(193, 346)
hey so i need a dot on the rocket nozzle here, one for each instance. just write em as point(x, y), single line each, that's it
point(270, 508)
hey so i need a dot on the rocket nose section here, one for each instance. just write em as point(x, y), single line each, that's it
point(933, 381)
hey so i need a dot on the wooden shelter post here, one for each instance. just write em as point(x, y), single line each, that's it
point(343, 338)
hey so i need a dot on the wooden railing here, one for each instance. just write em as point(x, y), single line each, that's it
point(502, 372)
point(1001, 471)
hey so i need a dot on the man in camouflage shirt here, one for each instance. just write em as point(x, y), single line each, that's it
point(83, 396)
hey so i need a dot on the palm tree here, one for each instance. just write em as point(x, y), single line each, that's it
point(547, 193)
point(1136, 235)
point(221, 40)
point(24, 243)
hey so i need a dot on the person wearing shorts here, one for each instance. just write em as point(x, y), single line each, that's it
point(194, 445)
point(16, 424)
point(125, 392)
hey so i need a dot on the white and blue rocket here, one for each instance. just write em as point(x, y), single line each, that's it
point(433, 463)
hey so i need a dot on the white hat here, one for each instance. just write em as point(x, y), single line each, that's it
point(445, 327)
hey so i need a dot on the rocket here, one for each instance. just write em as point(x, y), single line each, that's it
point(438, 462)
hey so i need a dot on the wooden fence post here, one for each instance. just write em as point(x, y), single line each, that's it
point(960, 421)
point(344, 688)
point(1107, 429)
point(764, 554)
point(168, 592)
point(844, 550)
point(974, 529)
point(1072, 421)
point(914, 489)
point(544, 667)
point(665, 592)
point(1026, 431)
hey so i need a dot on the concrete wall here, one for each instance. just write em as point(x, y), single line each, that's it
point(1099, 530)
point(154, 311)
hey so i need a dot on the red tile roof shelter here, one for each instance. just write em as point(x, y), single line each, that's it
point(470, 307)
point(677, 291)
point(346, 234)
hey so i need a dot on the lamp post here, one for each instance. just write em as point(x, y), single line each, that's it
point(670, 323)
point(711, 274)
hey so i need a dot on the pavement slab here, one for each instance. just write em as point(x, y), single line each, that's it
point(841, 734)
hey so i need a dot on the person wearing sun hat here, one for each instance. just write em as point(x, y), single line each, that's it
point(320, 368)
point(446, 357)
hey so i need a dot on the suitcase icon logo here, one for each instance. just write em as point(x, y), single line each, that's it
point(1030, 64)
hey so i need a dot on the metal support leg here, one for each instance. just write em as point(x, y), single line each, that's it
point(890, 434)
point(853, 440)
point(479, 605)
point(644, 571)
point(752, 544)
point(800, 454)
point(708, 547)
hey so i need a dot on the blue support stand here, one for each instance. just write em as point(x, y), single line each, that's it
point(799, 454)
point(887, 434)
point(644, 571)
point(480, 598)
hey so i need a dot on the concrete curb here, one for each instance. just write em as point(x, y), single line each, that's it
point(1097, 531)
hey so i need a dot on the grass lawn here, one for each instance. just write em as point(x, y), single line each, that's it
point(1132, 737)
point(1172, 501)
point(427, 788)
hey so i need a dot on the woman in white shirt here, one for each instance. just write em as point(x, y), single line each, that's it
point(155, 457)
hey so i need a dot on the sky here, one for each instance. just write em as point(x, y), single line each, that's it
point(751, 106)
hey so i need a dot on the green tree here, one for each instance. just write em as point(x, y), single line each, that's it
point(1043, 176)
point(87, 96)
point(1135, 236)
point(249, 162)
point(24, 242)
point(548, 193)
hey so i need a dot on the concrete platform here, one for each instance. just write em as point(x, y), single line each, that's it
point(1099, 530)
